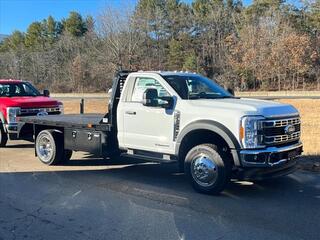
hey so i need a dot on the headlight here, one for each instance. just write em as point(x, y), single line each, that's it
point(61, 109)
point(12, 113)
point(250, 136)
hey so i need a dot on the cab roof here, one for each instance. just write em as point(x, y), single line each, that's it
point(170, 73)
point(10, 81)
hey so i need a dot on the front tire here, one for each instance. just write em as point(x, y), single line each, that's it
point(3, 136)
point(208, 171)
point(49, 147)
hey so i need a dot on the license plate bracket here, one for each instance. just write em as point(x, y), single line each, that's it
point(292, 154)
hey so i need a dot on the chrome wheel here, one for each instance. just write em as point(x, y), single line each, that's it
point(45, 148)
point(204, 170)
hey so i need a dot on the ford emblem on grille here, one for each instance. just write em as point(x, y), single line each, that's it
point(289, 129)
point(42, 113)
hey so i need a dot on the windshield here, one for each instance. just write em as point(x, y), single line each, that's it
point(196, 87)
point(22, 89)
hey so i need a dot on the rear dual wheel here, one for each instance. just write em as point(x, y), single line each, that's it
point(50, 148)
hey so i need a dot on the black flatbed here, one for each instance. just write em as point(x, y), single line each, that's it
point(94, 133)
point(69, 120)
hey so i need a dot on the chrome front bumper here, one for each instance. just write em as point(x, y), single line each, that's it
point(271, 156)
point(12, 129)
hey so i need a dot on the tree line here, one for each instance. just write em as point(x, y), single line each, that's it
point(267, 45)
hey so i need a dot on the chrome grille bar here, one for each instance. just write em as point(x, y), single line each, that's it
point(275, 130)
point(282, 138)
point(36, 110)
point(281, 122)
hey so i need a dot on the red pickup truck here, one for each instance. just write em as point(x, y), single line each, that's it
point(20, 98)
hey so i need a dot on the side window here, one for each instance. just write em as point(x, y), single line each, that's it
point(18, 90)
point(27, 89)
point(142, 84)
point(4, 90)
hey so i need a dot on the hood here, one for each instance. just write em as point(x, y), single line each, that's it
point(247, 106)
point(31, 102)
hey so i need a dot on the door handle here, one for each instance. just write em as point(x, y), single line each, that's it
point(131, 112)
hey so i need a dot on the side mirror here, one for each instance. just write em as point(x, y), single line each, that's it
point(151, 99)
point(46, 93)
point(231, 91)
point(166, 102)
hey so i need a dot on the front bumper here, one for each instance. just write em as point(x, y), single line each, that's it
point(12, 129)
point(271, 156)
point(258, 173)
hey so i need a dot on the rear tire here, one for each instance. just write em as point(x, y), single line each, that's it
point(208, 171)
point(3, 136)
point(49, 147)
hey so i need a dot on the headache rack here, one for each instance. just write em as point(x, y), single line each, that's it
point(117, 86)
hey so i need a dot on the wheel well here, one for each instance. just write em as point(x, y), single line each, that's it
point(201, 136)
point(39, 128)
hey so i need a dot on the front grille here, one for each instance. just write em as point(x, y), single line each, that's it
point(276, 131)
point(34, 111)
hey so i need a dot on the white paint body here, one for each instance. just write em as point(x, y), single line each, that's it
point(151, 128)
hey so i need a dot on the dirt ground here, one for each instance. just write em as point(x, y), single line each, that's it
point(310, 117)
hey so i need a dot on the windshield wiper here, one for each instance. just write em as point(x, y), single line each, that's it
point(227, 97)
point(208, 97)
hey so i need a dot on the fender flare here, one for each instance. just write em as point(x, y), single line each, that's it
point(215, 127)
point(37, 131)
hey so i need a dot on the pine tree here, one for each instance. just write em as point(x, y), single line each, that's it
point(52, 33)
point(34, 36)
point(75, 25)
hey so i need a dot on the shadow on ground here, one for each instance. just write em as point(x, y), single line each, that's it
point(23, 145)
point(137, 177)
point(309, 163)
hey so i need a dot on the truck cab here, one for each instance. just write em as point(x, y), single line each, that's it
point(184, 118)
point(17, 99)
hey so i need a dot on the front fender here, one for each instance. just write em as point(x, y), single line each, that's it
point(215, 127)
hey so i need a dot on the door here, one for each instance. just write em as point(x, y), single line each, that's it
point(147, 128)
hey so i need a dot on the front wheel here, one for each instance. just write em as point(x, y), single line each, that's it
point(3, 136)
point(208, 171)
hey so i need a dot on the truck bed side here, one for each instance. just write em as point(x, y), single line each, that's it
point(69, 121)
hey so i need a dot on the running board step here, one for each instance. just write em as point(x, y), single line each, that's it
point(150, 156)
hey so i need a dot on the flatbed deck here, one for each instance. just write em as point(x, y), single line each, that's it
point(69, 120)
